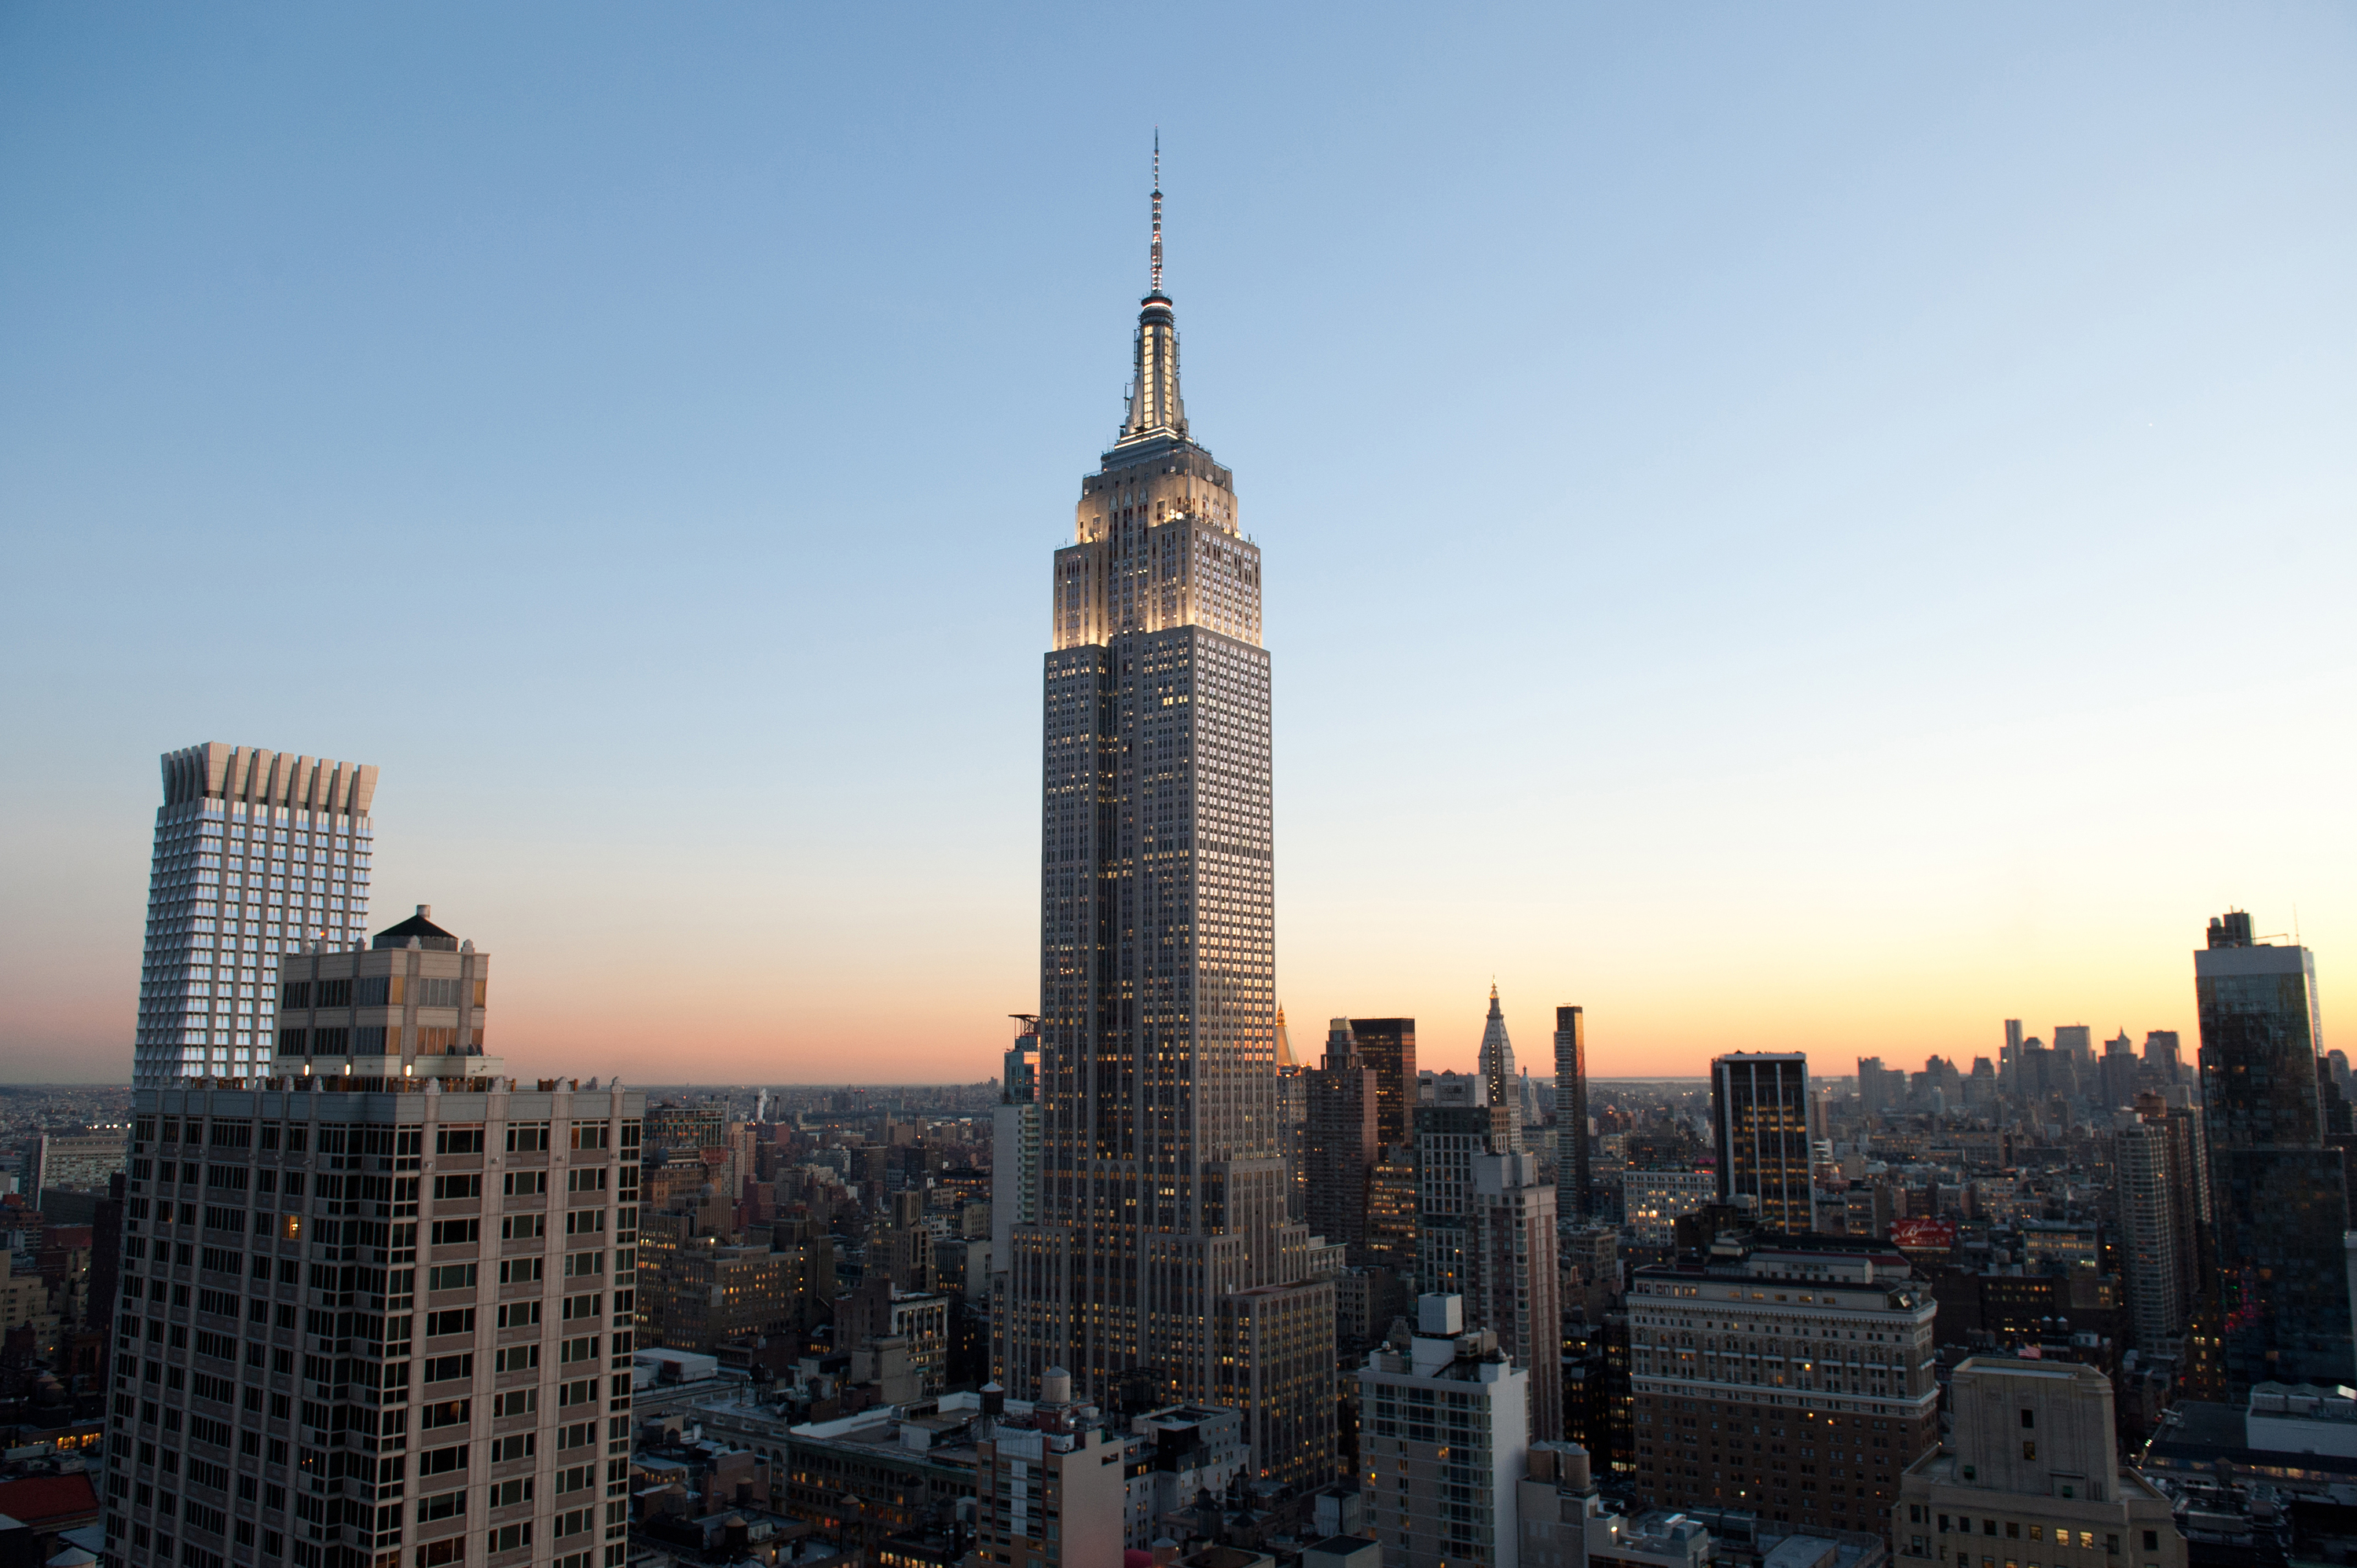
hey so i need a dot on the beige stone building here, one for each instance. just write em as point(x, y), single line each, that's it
point(2030, 1474)
point(384, 1246)
point(416, 991)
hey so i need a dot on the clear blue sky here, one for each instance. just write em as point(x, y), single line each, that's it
point(1792, 526)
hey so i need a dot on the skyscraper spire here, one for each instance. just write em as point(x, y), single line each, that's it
point(1155, 409)
point(1498, 1080)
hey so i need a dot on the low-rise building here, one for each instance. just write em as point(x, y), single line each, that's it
point(2029, 1473)
point(1052, 1487)
point(1176, 1453)
point(1650, 1201)
point(1562, 1522)
point(2297, 1438)
point(711, 1293)
point(874, 1472)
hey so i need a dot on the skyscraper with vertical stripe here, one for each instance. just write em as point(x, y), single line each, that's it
point(1164, 1256)
point(1759, 1118)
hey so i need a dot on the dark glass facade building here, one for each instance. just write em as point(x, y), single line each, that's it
point(1388, 1046)
point(2279, 1190)
point(1760, 1122)
point(1571, 1115)
point(1339, 1145)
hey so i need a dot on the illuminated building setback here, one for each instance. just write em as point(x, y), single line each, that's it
point(1162, 1253)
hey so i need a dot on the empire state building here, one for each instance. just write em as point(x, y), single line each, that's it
point(1163, 1266)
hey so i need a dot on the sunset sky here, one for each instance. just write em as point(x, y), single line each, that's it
point(1795, 528)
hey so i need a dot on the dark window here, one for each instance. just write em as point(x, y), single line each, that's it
point(334, 993)
point(444, 1369)
point(294, 994)
point(373, 993)
point(2028, 1419)
point(439, 1461)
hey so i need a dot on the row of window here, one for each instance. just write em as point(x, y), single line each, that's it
point(378, 990)
point(2014, 1530)
point(294, 1137)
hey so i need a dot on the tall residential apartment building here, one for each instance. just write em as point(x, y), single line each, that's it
point(1500, 1089)
point(256, 853)
point(1486, 1236)
point(1443, 1443)
point(1760, 1122)
point(2281, 1203)
point(375, 1310)
point(1171, 1250)
point(2031, 1474)
point(2149, 1206)
point(1395, 1222)
point(1015, 1145)
point(1792, 1378)
point(1292, 1124)
point(1571, 1201)
point(2189, 1152)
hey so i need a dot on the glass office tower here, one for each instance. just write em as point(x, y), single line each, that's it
point(1759, 1121)
point(2279, 1191)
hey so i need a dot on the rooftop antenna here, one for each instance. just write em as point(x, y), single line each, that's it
point(1158, 209)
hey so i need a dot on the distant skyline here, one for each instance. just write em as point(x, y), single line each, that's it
point(1793, 531)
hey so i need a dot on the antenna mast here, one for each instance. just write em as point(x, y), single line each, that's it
point(1158, 209)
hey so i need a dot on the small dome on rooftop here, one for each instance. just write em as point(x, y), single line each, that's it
point(421, 927)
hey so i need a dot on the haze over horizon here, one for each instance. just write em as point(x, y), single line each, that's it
point(1814, 531)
